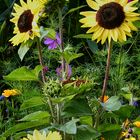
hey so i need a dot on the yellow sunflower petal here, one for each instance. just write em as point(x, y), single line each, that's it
point(125, 27)
point(97, 33)
point(123, 2)
point(93, 4)
point(104, 36)
point(131, 26)
point(114, 34)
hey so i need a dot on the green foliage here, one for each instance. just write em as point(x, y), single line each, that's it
point(32, 102)
point(70, 105)
point(112, 104)
point(24, 74)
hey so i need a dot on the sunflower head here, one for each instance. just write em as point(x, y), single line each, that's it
point(25, 18)
point(110, 19)
point(42, 136)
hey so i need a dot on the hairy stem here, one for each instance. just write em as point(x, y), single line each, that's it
point(41, 61)
point(61, 45)
point(107, 71)
point(44, 78)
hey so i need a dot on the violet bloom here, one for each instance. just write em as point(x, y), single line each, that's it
point(52, 43)
point(129, 0)
point(135, 103)
point(68, 71)
point(45, 69)
point(2, 97)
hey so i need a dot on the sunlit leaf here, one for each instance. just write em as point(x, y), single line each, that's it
point(36, 116)
point(32, 102)
point(24, 74)
point(112, 104)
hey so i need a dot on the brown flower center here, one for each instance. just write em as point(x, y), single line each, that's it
point(25, 21)
point(110, 15)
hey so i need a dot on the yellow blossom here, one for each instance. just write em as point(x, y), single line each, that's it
point(9, 92)
point(137, 124)
point(38, 136)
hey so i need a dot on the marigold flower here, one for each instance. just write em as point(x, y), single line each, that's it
point(105, 98)
point(137, 124)
point(12, 92)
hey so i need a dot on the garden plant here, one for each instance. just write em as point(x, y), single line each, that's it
point(70, 70)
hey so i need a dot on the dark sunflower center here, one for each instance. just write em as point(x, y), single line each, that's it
point(110, 15)
point(25, 21)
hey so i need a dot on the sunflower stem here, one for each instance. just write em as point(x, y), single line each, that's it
point(41, 60)
point(44, 78)
point(107, 71)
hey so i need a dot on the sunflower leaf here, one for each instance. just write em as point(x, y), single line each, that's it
point(24, 74)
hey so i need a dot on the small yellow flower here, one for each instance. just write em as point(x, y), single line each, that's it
point(137, 124)
point(38, 136)
point(8, 92)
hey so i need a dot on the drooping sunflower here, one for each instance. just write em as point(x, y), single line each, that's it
point(25, 19)
point(110, 19)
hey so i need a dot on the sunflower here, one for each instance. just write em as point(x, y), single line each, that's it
point(110, 19)
point(25, 19)
point(38, 136)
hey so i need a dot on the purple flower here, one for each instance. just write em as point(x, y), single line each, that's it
point(2, 97)
point(135, 103)
point(129, 0)
point(52, 43)
point(45, 69)
point(68, 71)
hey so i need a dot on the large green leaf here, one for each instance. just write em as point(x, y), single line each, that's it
point(93, 46)
point(125, 111)
point(32, 102)
point(24, 47)
point(36, 116)
point(136, 130)
point(24, 74)
point(24, 126)
point(86, 132)
point(112, 104)
point(69, 127)
point(47, 32)
point(108, 127)
point(77, 107)
point(70, 56)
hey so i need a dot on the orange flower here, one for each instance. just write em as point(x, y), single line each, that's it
point(12, 92)
point(105, 98)
point(137, 124)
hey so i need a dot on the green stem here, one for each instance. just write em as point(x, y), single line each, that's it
point(51, 109)
point(107, 70)
point(44, 78)
point(41, 60)
point(61, 45)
